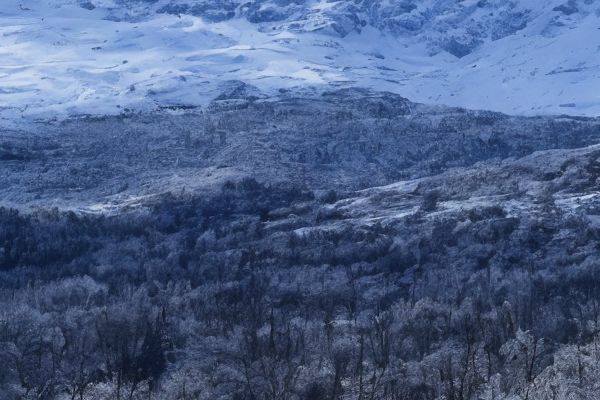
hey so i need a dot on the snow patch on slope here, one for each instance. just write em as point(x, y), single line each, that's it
point(60, 59)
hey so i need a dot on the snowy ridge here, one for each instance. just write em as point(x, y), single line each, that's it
point(62, 57)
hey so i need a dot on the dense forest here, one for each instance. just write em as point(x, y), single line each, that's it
point(273, 292)
point(352, 245)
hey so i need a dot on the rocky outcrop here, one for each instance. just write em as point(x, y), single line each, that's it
point(445, 25)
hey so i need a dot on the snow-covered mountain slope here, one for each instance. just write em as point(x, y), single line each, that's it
point(69, 57)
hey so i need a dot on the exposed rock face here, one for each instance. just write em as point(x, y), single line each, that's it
point(448, 25)
point(567, 8)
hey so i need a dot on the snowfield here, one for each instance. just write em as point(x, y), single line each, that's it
point(61, 58)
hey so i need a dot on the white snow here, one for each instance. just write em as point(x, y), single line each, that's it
point(59, 60)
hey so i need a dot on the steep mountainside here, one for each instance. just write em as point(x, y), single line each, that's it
point(66, 57)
